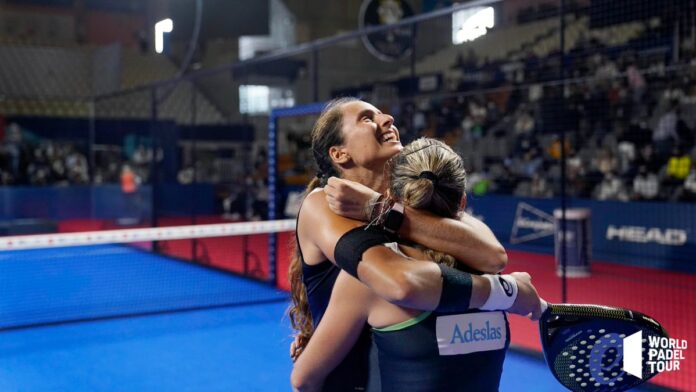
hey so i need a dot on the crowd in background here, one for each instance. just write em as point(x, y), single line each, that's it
point(628, 115)
point(28, 160)
point(629, 124)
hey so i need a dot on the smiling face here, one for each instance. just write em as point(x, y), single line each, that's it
point(370, 137)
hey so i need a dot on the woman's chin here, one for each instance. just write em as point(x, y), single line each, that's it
point(395, 146)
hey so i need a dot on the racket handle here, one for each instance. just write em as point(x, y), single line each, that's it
point(544, 305)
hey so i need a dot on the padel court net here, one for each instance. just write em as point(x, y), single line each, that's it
point(58, 278)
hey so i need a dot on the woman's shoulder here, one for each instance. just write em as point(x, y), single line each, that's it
point(314, 204)
point(316, 212)
point(315, 195)
point(318, 225)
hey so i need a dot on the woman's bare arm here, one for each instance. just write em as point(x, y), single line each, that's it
point(391, 276)
point(468, 240)
point(415, 285)
point(335, 335)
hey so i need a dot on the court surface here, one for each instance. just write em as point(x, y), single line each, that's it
point(233, 349)
point(220, 347)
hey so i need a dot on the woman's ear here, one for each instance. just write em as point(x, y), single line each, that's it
point(339, 154)
point(462, 202)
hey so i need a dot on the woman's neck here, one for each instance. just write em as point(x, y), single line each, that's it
point(374, 180)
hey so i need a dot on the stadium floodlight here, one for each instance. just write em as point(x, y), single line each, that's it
point(161, 27)
point(469, 24)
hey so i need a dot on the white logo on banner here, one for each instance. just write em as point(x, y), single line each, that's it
point(640, 234)
point(470, 333)
point(664, 354)
point(539, 222)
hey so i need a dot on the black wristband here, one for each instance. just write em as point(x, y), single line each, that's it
point(351, 246)
point(456, 290)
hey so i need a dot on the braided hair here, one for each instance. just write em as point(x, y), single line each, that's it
point(326, 133)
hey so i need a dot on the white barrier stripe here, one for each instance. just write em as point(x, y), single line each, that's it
point(145, 234)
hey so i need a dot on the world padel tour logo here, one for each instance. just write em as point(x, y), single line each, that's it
point(663, 354)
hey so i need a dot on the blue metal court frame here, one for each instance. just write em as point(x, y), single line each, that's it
point(276, 114)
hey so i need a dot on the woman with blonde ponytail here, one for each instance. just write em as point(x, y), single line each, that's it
point(353, 140)
point(416, 350)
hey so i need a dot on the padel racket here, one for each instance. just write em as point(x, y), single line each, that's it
point(584, 345)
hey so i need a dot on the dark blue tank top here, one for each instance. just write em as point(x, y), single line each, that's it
point(444, 352)
point(319, 280)
point(354, 372)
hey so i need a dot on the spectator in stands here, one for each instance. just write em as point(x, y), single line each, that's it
point(478, 117)
point(605, 69)
point(14, 151)
point(596, 108)
point(478, 183)
point(688, 191)
point(524, 143)
point(233, 204)
point(554, 149)
point(506, 182)
point(524, 124)
point(611, 188)
point(684, 133)
point(578, 184)
point(130, 182)
point(606, 162)
point(648, 159)
point(531, 162)
point(58, 172)
point(142, 155)
point(638, 132)
point(260, 200)
point(626, 158)
point(674, 93)
point(678, 166)
point(539, 187)
point(419, 120)
point(636, 82)
point(665, 133)
point(646, 185)
point(76, 166)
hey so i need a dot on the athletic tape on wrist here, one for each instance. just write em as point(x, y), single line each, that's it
point(456, 290)
point(503, 292)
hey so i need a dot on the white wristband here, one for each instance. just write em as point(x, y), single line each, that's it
point(503, 292)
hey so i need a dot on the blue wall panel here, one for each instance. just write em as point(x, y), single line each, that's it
point(641, 233)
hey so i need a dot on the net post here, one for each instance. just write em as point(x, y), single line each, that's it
point(153, 163)
point(272, 203)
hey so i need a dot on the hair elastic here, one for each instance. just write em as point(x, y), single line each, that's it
point(429, 175)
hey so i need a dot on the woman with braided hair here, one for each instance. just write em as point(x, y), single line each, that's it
point(418, 351)
point(354, 140)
